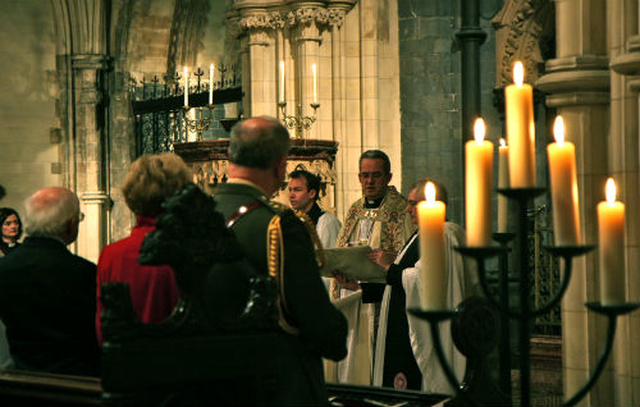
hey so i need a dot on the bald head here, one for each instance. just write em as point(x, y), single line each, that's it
point(53, 212)
point(258, 142)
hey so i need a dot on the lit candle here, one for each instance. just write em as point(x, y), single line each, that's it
point(611, 247)
point(520, 131)
point(211, 84)
point(315, 84)
point(564, 188)
point(282, 96)
point(431, 217)
point(186, 86)
point(478, 187)
point(503, 183)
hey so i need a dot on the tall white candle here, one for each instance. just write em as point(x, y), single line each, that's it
point(211, 84)
point(503, 183)
point(431, 218)
point(315, 84)
point(611, 247)
point(520, 130)
point(282, 88)
point(478, 187)
point(564, 188)
point(186, 86)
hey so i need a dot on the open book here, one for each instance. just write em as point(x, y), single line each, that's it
point(353, 262)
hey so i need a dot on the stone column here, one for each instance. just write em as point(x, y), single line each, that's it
point(305, 37)
point(259, 63)
point(578, 83)
point(624, 57)
point(88, 147)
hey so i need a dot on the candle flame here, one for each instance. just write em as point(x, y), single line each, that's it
point(518, 73)
point(313, 68)
point(503, 143)
point(430, 192)
point(558, 130)
point(211, 67)
point(479, 130)
point(282, 65)
point(611, 191)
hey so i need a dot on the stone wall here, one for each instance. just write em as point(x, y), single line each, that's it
point(430, 86)
point(29, 128)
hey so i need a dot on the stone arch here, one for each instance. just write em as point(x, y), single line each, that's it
point(525, 31)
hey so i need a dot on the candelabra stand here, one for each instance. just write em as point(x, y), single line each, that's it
point(299, 122)
point(524, 314)
point(200, 122)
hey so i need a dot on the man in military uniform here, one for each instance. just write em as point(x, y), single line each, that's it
point(276, 241)
point(379, 220)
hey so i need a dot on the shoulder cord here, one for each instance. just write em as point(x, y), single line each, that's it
point(275, 262)
point(321, 258)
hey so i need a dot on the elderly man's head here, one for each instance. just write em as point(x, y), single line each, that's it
point(260, 144)
point(375, 173)
point(53, 212)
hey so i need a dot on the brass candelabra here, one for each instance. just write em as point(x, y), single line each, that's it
point(200, 122)
point(299, 122)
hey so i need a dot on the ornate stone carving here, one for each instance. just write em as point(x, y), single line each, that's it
point(280, 20)
point(524, 32)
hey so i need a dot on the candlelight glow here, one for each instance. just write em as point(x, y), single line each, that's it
point(518, 73)
point(430, 192)
point(479, 130)
point(503, 143)
point(558, 130)
point(611, 191)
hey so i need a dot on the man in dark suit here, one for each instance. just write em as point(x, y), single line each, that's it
point(275, 241)
point(47, 294)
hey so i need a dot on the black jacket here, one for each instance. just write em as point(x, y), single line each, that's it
point(322, 328)
point(48, 304)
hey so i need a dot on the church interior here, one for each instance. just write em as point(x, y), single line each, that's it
point(90, 85)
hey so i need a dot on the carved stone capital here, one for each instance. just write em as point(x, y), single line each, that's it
point(278, 20)
point(524, 28)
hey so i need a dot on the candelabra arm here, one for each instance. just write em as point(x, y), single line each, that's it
point(444, 363)
point(612, 313)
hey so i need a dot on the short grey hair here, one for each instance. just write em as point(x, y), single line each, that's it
point(376, 155)
point(258, 142)
point(49, 211)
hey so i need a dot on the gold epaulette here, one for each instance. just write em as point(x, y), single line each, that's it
point(321, 258)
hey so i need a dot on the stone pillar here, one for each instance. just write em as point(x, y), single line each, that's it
point(306, 39)
point(578, 83)
point(88, 147)
point(624, 58)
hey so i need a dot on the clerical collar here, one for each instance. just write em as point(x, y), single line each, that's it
point(315, 212)
point(372, 203)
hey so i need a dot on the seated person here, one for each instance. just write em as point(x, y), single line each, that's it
point(154, 294)
point(47, 294)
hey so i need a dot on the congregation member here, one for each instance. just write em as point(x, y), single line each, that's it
point(378, 220)
point(11, 230)
point(310, 327)
point(47, 294)
point(405, 357)
point(304, 192)
point(153, 290)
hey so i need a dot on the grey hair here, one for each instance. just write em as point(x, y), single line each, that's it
point(441, 191)
point(377, 155)
point(48, 214)
point(258, 145)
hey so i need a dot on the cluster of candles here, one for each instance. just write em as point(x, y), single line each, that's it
point(517, 170)
point(186, 85)
point(282, 86)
